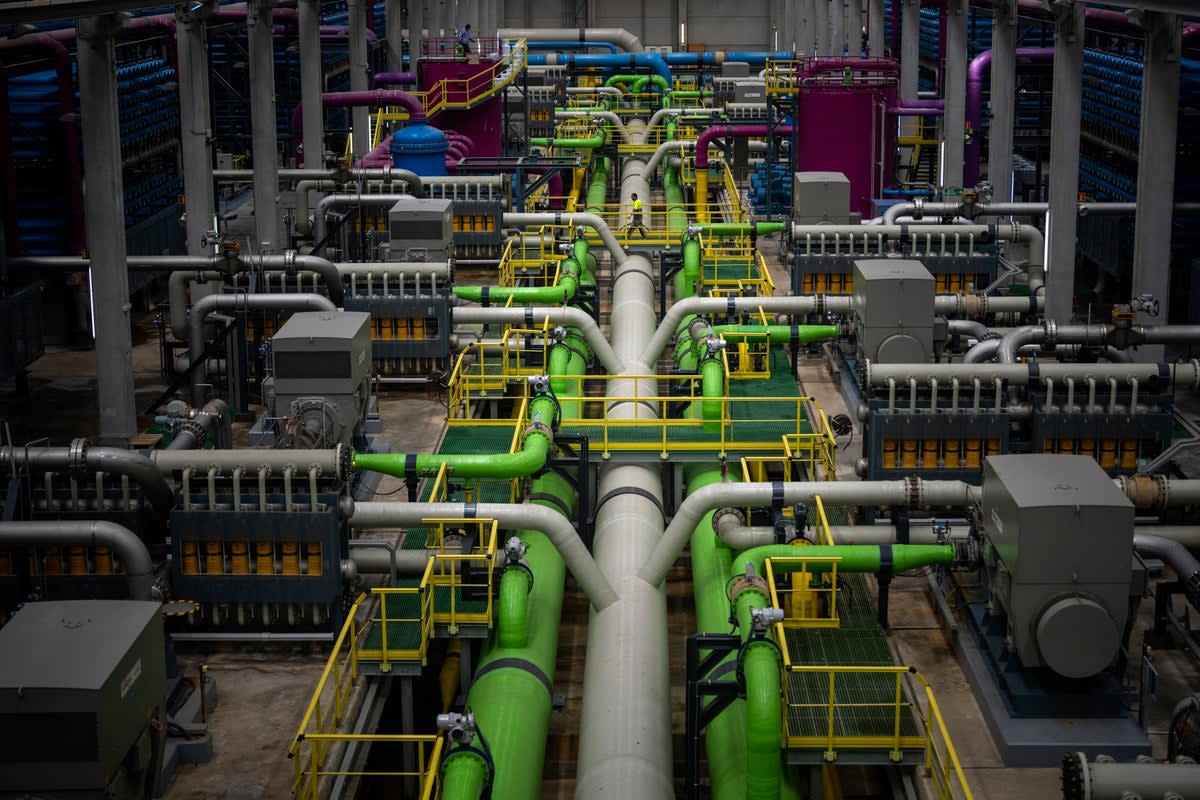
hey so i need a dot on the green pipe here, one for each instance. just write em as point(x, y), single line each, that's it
point(535, 449)
point(569, 357)
point(854, 557)
point(590, 143)
point(691, 268)
point(585, 259)
point(509, 698)
point(512, 608)
point(779, 334)
point(597, 193)
point(677, 217)
point(721, 230)
point(657, 80)
point(725, 737)
point(689, 93)
point(464, 774)
point(761, 667)
point(557, 294)
point(712, 389)
point(626, 80)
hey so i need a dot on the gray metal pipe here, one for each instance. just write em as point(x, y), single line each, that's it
point(360, 116)
point(568, 316)
point(313, 116)
point(416, 185)
point(1105, 779)
point(510, 517)
point(191, 432)
point(81, 459)
point(1092, 335)
point(593, 221)
point(377, 561)
point(917, 210)
point(878, 375)
point(332, 201)
point(618, 36)
point(240, 302)
point(95, 533)
point(972, 328)
point(332, 463)
point(909, 493)
point(986, 351)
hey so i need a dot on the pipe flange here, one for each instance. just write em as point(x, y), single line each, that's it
point(913, 490)
point(720, 513)
point(748, 583)
point(1051, 328)
point(77, 456)
point(1074, 776)
point(191, 426)
point(289, 263)
point(344, 458)
point(1195, 374)
point(387, 174)
point(538, 427)
point(918, 208)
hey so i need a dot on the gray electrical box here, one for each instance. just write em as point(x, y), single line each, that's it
point(421, 229)
point(820, 198)
point(1059, 555)
point(80, 682)
point(320, 388)
point(893, 308)
point(749, 91)
point(735, 69)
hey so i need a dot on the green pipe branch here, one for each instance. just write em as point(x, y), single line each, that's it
point(761, 668)
point(512, 608)
point(597, 194)
point(590, 143)
point(559, 293)
point(778, 334)
point(725, 230)
point(639, 85)
point(535, 450)
point(853, 557)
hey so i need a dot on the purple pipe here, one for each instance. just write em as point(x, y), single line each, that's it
point(909, 111)
point(394, 78)
point(980, 66)
point(721, 131)
point(936, 102)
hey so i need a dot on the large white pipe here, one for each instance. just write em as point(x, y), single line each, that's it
point(510, 517)
point(618, 36)
point(593, 221)
point(878, 375)
point(84, 533)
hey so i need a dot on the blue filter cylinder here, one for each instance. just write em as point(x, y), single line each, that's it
point(420, 148)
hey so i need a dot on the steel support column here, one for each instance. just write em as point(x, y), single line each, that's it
point(1064, 160)
point(394, 15)
point(837, 27)
point(806, 33)
point(264, 145)
point(875, 27)
point(1002, 100)
point(195, 131)
point(416, 31)
point(910, 48)
point(360, 115)
point(821, 21)
point(1156, 169)
point(313, 116)
point(955, 83)
point(104, 215)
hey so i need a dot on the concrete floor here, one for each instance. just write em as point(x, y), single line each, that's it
point(264, 690)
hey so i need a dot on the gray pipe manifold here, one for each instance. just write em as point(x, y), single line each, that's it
point(1105, 779)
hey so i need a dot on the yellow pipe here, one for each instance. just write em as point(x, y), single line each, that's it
point(702, 195)
point(448, 676)
point(312, 552)
point(264, 558)
point(214, 559)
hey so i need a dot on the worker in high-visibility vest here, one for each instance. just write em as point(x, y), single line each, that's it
point(635, 218)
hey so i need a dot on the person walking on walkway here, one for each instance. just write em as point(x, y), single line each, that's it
point(635, 218)
point(465, 39)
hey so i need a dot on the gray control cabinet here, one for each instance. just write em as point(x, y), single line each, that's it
point(820, 198)
point(79, 683)
point(893, 306)
point(1060, 545)
point(421, 229)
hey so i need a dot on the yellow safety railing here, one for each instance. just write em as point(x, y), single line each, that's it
point(733, 195)
point(941, 760)
point(783, 76)
point(327, 709)
point(821, 533)
point(407, 617)
point(425, 778)
point(817, 454)
point(807, 593)
point(732, 267)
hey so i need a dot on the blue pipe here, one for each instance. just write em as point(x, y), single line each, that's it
point(612, 48)
point(651, 61)
point(755, 58)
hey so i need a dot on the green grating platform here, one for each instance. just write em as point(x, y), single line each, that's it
point(858, 642)
point(406, 635)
